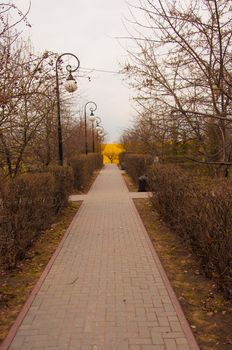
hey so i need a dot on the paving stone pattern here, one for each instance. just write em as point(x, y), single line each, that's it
point(104, 290)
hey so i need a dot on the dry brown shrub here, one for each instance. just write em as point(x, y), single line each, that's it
point(28, 205)
point(83, 167)
point(137, 165)
point(201, 213)
point(64, 179)
point(26, 209)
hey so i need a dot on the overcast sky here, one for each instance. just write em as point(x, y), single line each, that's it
point(88, 29)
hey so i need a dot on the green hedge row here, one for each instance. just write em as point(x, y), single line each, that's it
point(28, 205)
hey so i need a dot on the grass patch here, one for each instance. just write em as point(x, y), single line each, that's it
point(208, 313)
point(16, 285)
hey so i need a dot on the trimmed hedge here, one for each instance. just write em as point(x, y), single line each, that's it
point(136, 164)
point(83, 167)
point(28, 205)
point(201, 213)
point(121, 158)
point(198, 209)
point(63, 186)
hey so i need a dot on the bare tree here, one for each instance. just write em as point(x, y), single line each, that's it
point(182, 69)
point(26, 100)
point(28, 115)
point(11, 16)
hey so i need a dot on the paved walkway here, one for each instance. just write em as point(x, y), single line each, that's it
point(106, 289)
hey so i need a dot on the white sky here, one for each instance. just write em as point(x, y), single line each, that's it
point(87, 29)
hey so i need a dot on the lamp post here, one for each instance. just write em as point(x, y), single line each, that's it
point(70, 86)
point(101, 133)
point(92, 118)
point(98, 121)
point(99, 128)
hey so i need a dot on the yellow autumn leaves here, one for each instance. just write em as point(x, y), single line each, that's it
point(111, 152)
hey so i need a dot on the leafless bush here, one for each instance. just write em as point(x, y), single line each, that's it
point(28, 205)
point(63, 177)
point(200, 211)
point(137, 165)
point(83, 167)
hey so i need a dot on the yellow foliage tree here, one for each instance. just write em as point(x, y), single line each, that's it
point(111, 152)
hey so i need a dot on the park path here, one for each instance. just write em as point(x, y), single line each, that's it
point(106, 288)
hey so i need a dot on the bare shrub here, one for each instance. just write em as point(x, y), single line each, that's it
point(28, 205)
point(83, 167)
point(137, 164)
point(26, 209)
point(200, 211)
point(63, 184)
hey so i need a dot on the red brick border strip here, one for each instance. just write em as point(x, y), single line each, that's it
point(13, 330)
point(180, 314)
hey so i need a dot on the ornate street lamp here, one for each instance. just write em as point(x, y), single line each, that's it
point(92, 118)
point(98, 122)
point(100, 133)
point(70, 86)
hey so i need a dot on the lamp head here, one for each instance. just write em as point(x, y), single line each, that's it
point(92, 116)
point(70, 84)
point(100, 132)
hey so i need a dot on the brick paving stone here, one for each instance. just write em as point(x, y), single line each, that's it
point(106, 289)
